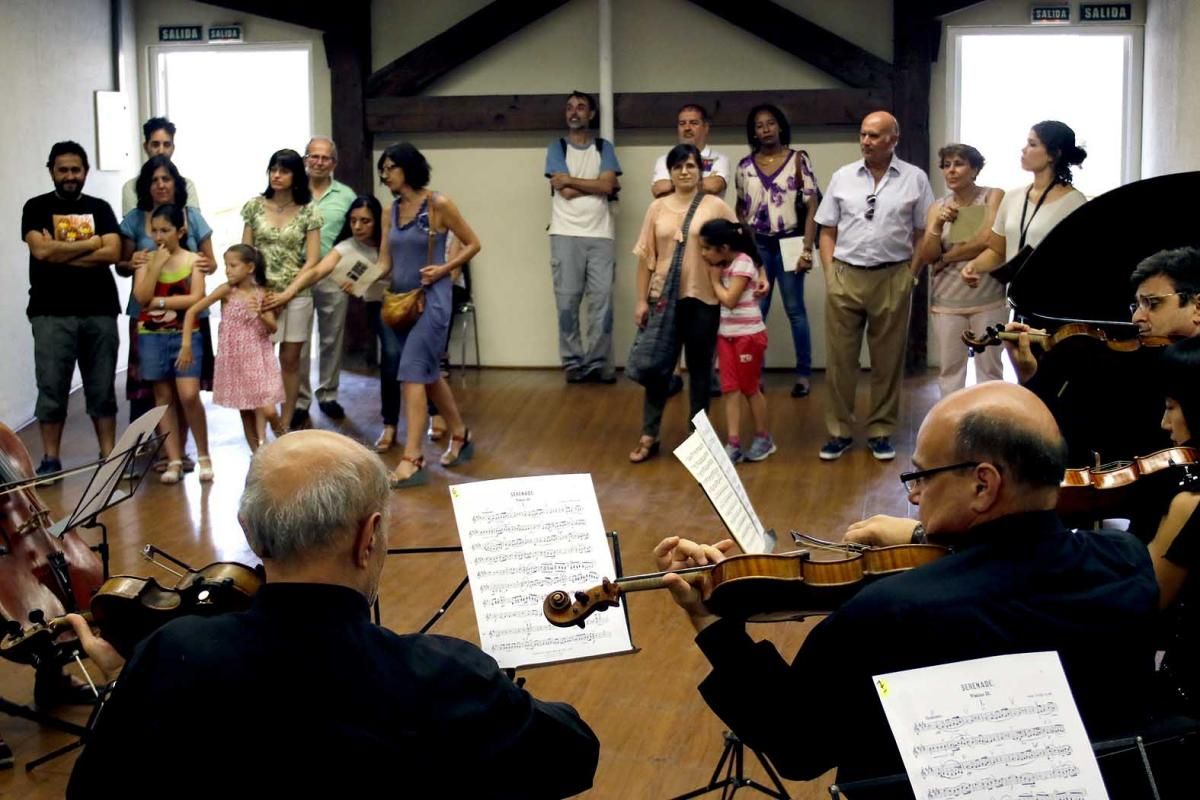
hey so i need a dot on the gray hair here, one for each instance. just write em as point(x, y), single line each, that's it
point(327, 140)
point(335, 498)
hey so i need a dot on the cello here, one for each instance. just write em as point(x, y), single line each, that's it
point(41, 575)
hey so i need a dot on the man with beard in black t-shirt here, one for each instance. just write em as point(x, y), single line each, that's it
point(73, 239)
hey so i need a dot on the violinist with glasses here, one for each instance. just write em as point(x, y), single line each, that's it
point(1165, 303)
point(985, 477)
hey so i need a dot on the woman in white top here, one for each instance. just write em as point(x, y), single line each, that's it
point(1027, 214)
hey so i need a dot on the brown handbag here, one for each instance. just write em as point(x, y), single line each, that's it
point(402, 310)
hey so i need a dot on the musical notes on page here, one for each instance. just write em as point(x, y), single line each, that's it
point(523, 538)
point(704, 456)
point(993, 727)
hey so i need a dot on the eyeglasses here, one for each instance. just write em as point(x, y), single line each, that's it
point(913, 480)
point(387, 169)
point(1150, 301)
point(871, 206)
point(318, 158)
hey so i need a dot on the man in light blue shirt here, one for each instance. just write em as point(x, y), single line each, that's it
point(873, 216)
point(333, 198)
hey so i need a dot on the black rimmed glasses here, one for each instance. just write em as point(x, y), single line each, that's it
point(1150, 302)
point(871, 206)
point(913, 480)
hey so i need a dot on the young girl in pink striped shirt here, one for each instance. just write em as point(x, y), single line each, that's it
point(742, 337)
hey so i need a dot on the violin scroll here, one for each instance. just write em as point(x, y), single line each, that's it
point(977, 343)
point(561, 611)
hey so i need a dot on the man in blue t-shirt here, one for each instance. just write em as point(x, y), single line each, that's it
point(583, 171)
point(73, 239)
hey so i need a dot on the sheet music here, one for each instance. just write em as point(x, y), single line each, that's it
point(1005, 726)
point(109, 473)
point(360, 271)
point(704, 456)
point(790, 248)
point(522, 539)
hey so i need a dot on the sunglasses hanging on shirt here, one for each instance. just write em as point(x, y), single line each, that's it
point(871, 206)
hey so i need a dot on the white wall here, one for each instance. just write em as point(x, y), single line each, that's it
point(1172, 116)
point(496, 179)
point(56, 55)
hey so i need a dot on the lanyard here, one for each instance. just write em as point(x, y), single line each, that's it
point(1025, 207)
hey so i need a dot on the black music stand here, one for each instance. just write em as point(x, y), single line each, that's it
point(732, 763)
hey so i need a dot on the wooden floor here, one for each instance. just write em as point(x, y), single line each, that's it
point(658, 739)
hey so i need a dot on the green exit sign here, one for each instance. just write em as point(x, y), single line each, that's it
point(1106, 12)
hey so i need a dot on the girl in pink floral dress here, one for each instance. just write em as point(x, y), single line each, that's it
point(247, 373)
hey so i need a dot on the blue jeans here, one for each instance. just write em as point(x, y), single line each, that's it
point(791, 284)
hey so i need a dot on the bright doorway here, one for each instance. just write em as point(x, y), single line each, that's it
point(1003, 80)
point(234, 106)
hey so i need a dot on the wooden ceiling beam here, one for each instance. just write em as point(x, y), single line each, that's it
point(418, 68)
point(646, 110)
point(806, 40)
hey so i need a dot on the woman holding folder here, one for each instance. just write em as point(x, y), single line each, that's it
point(957, 231)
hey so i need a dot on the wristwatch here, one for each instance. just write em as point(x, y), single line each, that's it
point(918, 534)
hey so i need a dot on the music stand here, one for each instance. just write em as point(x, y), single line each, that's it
point(732, 762)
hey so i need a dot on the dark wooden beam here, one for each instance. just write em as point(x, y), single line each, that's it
point(418, 68)
point(939, 8)
point(916, 39)
point(806, 40)
point(348, 52)
point(805, 108)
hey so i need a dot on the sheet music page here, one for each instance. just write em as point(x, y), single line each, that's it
point(359, 271)
point(1005, 726)
point(704, 456)
point(790, 248)
point(522, 539)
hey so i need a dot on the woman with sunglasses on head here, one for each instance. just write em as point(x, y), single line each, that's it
point(1027, 214)
point(413, 253)
point(955, 306)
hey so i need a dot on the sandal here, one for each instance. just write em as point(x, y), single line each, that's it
point(173, 473)
point(386, 439)
point(466, 449)
point(419, 477)
point(644, 450)
point(437, 427)
point(205, 472)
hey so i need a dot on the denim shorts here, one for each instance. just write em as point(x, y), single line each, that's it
point(157, 353)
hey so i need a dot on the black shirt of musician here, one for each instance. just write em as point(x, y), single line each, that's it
point(1019, 584)
point(303, 696)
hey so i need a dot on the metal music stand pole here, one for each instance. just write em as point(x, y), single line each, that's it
point(405, 551)
point(732, 762)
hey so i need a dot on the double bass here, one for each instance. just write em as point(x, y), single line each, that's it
point(42, 575)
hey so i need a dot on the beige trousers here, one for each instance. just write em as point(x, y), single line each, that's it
point(947, 331)
point(876, 301)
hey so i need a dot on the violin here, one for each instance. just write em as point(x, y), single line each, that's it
point(1079, 331)
point(759, 587)
point(1108, 489)
point(41, 575)
point(128, 609)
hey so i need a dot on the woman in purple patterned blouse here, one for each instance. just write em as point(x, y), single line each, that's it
point(777, 197)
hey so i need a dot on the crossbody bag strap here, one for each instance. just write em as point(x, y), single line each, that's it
point(677, 254)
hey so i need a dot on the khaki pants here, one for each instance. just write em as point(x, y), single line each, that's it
point(877, 301)
point(947, 331)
